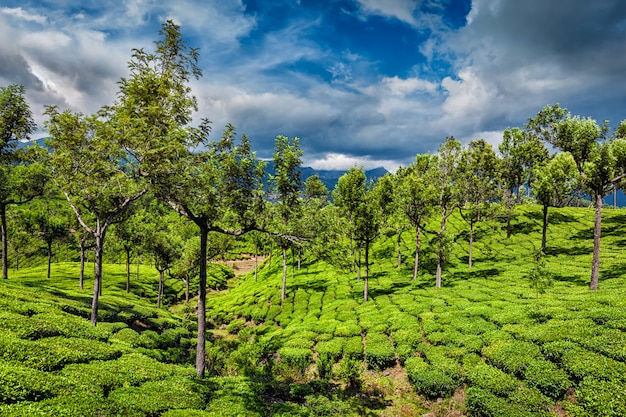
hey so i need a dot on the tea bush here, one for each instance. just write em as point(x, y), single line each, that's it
point(379, 351)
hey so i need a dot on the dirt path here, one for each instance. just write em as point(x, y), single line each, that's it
point(243, 266)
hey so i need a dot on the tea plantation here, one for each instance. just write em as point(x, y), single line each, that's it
point(489, 343)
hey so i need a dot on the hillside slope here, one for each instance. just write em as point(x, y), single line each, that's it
point(486, 344)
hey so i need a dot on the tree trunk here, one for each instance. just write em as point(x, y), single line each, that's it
point(299, 258)
point(595, 265)
point(97, 276)
point(545, 228)
point(256, 261)
point(358, 266)
point(440, 253)
point(81, 276)
point(187, 288)
point(160, 292)
point(5, 246)
point(127, 250)
point(418, 245)
point(399, 247)
point(201, 346)
point(508, 216)
point(367, 271)
point(283, 290)
point(614, 195)
point(471, 244)
point(49, 258)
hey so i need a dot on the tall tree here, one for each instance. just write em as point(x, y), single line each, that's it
point(416, 196)
point(99, 181)
point(348, 195)
point(367, 222)
point(17, 183)
point(446, 179)
point(553, 185)
point(599, 162)
point(478, 176)
point(288, 183)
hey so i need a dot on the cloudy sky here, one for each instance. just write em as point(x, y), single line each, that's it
point(371, 82)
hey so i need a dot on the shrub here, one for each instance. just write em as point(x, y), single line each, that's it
point(547, 377)
point(296, 358)
point(349, 371)
point(331, 348)
point(299, 342)
point(601, 398)
point(149, 339)
point(490, 378)
point(379, 351)
point(155, 397)
point(353, 347)
point(347, 329)
point(512, 356)
point(429, 382)
point(19, 383)
point(127, 336)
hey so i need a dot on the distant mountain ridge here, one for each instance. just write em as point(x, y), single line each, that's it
point(330, 176)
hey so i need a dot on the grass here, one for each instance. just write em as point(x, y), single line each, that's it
point(485, 344)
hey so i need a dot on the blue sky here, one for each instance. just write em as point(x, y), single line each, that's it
point(369, 82)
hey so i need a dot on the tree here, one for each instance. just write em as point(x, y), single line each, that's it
point(600, 163)
point(202, 192)
point(553, 184)
point(94, 173)
point(20, 181)
point(367, 222)
point(446, 179)
point(47, 220)
point(315, 190)
point(288, 185)
point(520, 150)
point(416, 196)
point(479, 169)
point(348, 194)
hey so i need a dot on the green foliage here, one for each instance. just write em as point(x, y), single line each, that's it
point(349, 371)
point(379, 351)
point(432, 383)
point(296, 358)
point(492, 379)
point(154, 397)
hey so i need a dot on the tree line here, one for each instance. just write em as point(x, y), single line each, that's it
point(139, 161)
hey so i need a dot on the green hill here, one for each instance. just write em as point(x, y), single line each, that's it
point(486, 344)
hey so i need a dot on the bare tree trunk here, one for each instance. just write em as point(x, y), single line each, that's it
point(127, 250)
point(471, 244)
point(97, 281)
point(595, 265)
point(544, 231)
point(440, 250)
point(508, 216)
point(17, 259)
point(299, 258)
point(283, 290)
point(49, 258)
point(358, 266)
point(399, 248)
point(5, 246)
point(81, 276)
point(160, 292)
point(187, 288)
point(201, 346)
point(367, 271)
point(614, 195)
point(256, 261)
point(418, 245)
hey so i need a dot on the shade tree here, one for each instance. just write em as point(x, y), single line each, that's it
point(22, 178)
point(479, 171)
point(600, 162)
point(554, 185)
point(416, 198)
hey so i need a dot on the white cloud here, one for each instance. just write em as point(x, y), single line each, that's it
point(336, 161)
point(21, 14)
point(404, 87)
point(402, 10)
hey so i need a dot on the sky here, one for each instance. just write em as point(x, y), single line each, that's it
point(365, 82)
